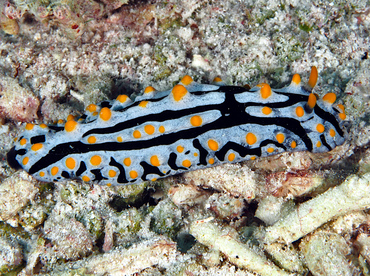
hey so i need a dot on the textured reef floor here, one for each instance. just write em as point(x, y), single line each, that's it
point(288, 214)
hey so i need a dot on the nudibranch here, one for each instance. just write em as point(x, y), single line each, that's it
point(189, 127)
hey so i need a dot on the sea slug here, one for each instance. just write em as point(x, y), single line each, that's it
point(189, 127)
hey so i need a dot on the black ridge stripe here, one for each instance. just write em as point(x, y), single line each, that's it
point(323, 141)
point(243, 151)
point(225, 108)
point(62, 150)
point(21, 152)
point(233, 115)
point(172, 162)
point(37, 139)
point(105, 104)
point(122, 175)
point(326, 116)
point(268, 141)
point(230, 107)
point(230, 90)
point(97, 174)
point(81, 169)
point(202, 152)
point(157, 117)
point(10, 158)
point(65, 174)
point(56, 128)
point(247, 150)
point(149, 169)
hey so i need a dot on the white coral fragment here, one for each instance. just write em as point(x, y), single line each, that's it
point(157, 252)
point(351, 195)
point(325, 254)
point(239, 254)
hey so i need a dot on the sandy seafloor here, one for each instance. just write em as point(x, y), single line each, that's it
point(289, 214)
